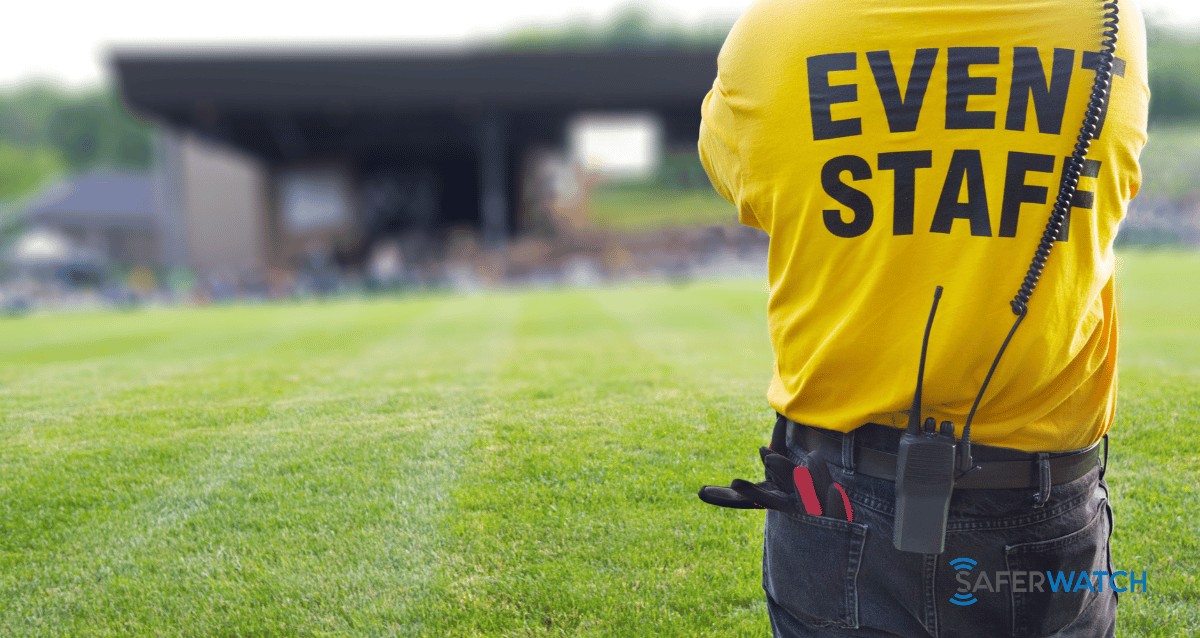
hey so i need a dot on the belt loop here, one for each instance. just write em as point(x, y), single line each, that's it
point(1043, 495)
point(1104, 468)
point(848, 452)
point(779, 435)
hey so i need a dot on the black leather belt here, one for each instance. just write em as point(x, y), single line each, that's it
point(1020, 470)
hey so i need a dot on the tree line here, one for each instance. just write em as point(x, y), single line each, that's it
point(1174, 58)
point(46, 131)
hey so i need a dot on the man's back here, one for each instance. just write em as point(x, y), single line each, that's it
point(889, 148)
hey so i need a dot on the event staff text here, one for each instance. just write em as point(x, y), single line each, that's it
point(964, 170)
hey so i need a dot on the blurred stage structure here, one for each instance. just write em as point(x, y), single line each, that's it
point(268, 154)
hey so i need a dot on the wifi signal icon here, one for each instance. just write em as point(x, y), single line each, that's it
point(964, 565)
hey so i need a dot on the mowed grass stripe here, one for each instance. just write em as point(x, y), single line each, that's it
point(677, 324)
point(582, 517)
point(227, 341)
point(1155, 442)
point(1158, 295)
point(1155, 481)
point(316, 518)
point(125, 426)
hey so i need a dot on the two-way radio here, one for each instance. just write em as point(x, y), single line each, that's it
point(929, 458)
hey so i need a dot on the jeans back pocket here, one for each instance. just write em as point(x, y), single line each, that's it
point(811, 565)
point(1063, 571)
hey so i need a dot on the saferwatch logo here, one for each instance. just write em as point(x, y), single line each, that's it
point(1038, 582)
point(962, 596)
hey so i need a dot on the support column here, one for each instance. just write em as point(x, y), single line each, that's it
point(493, 176)
point(172, 238)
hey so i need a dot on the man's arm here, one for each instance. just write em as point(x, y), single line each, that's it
point(719, 152)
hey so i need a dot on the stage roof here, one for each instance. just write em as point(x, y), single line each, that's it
point(171, 83)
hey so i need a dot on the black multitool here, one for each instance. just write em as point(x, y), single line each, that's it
point(789, 488)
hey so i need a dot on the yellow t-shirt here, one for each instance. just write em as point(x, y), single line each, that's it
point(888, 148)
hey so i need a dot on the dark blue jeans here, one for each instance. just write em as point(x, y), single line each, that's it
point(828, 577)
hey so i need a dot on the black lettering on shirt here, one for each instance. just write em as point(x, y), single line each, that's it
point(1017, 192)
point(1091, 62)
point(964, 165)
point(858, 201)
point(1049, 100)
point(821, 96)
point(960, 86)
point(902, 111)
point(1082, 198)
point(905, 164)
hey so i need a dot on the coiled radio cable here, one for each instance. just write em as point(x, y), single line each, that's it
point(1066, 193)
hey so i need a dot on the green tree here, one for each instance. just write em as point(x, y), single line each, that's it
point(77, 131)
point(86, 129)
point(97, 130)
point(25, 169)
point(629, 27)
point(25, 115)
point(1174, 59)
point(46, 131)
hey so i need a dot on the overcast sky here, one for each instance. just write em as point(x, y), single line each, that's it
point(67, 41)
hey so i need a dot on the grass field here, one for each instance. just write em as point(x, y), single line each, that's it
point(639, 206)
point(511, 464)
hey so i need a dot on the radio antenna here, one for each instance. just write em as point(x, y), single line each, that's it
point(914, 415)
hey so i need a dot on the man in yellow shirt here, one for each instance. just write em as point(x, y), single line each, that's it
point(889, 148)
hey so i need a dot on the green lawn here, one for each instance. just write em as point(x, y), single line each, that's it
point(642, 206)
point(507, 464)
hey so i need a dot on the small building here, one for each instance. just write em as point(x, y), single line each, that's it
point(110, 215)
